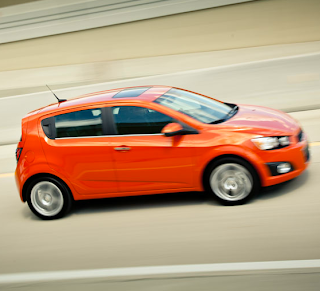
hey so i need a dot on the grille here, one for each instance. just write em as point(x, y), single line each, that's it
point(306, 154)
point(300, 136)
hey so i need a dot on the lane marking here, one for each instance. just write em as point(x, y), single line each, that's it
point(5, 175)
point(193, 71)
point(156, 270)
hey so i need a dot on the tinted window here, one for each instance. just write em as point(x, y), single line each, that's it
point(79, 123)
point(134, 92)
point(199, 107)
point(139, 120)
point(48, 127)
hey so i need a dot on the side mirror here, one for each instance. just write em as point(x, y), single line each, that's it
point(172, 129)
point(175, 128)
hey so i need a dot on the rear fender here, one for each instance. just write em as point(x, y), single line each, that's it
point(37, 170)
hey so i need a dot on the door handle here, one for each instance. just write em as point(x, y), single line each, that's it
point(122, 148)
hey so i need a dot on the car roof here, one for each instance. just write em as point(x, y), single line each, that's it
point(137, 93)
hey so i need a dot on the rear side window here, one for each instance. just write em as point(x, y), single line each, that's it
point(48, 127)
point(79, 124)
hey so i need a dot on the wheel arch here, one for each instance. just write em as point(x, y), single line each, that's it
point(41, 175)
point(215, 159)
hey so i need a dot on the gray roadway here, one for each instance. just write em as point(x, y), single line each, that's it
point(282, 223)
point(281, 280)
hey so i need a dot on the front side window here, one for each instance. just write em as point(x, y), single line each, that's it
point(139, 120)
point(79, 123)
point(196, 106)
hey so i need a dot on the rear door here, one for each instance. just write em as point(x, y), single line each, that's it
point(76, 145)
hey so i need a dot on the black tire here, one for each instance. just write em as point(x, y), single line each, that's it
point(247, 178)
point(33, 199)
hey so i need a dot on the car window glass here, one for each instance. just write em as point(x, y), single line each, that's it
point(132, 92)
point(196, 106)
point(79, 123)
point(139, 120)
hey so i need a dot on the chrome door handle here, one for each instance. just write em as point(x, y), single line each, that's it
point(122, 148)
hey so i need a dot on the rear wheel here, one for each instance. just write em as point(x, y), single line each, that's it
point(232, 181)
point(48, 198)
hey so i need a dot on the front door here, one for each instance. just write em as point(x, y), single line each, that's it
point(144, 158)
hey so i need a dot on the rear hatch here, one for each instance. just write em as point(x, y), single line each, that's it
point(24, 130)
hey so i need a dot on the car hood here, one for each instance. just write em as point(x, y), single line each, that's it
point(262, 120)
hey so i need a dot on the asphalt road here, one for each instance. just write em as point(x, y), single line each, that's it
point(282, 223)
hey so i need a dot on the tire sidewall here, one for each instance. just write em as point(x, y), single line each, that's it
point(67, 200)
point(235, 160)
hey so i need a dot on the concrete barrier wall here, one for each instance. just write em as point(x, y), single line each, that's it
point(16, 82)
point(50, 17)
point(256, 23)
point(290, 84)
point(6, 3)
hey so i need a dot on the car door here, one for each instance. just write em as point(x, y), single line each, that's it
point(80, 150)
point(144, 158)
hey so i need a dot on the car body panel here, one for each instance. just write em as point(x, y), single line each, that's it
point(92, 168)
point(263, 121)
point(87, 163)
point(153, 162)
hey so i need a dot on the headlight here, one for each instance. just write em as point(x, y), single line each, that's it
point(271, 142)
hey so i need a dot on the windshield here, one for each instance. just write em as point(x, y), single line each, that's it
point(198, 107)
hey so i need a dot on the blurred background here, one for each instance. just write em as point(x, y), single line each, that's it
point(263, 52)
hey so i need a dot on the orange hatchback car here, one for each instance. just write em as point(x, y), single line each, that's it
point(149, 140)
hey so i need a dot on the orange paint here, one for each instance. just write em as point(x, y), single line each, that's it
point(123, 165)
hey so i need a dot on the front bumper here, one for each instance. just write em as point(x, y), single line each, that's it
point(297, 155)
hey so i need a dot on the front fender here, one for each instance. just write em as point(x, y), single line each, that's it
point(245, 153)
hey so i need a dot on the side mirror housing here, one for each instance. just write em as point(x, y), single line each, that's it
point(175, 128)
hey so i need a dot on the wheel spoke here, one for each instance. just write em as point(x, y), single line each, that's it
point(47, 198)
point(231, 182)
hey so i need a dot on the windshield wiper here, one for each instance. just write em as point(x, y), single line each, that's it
point(233, 111)
point(218, 120)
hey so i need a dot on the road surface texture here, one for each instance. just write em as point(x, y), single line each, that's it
point(280, 224)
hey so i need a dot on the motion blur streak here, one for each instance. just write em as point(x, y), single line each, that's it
point(159, 270)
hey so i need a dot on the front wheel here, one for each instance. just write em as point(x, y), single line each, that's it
point(232, 181)
point(48, 198)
